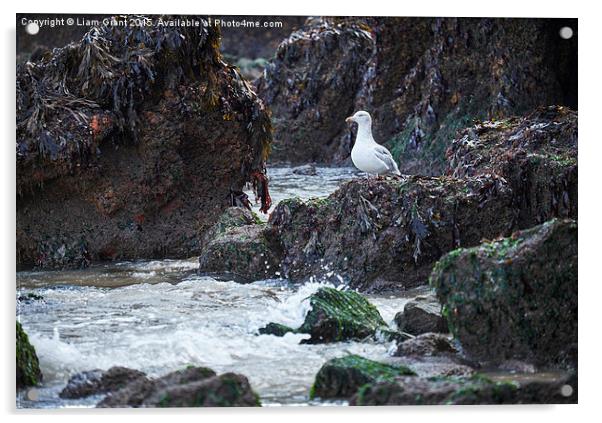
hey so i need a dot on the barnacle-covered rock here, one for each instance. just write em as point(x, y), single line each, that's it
point(536, 154)
point(478, 389)
point(516, 297)
point(342, 377)
point(130, 143)
point(387, 234)
point(310, 86)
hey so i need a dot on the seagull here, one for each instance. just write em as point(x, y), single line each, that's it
point(367, 155)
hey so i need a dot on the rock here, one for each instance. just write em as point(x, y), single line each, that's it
point(275, 329)
point(241, 248)
point(536, 154)
point(191, 387)
point(28, 365)
point(122, 167)
point(95, 382)
point(421, 315)
point(514, 298)
point(341, 377)
point(309, 170)
point(340, 315)
point(336, 316)
point(478, 389)
point(387, 234)
point(388, 335)
point(310, 86)
point(426, 344)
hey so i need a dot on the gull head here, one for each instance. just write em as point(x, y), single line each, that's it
point(361, 118)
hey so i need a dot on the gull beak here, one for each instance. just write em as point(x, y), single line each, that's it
point(349, 119)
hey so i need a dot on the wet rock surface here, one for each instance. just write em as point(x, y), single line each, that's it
point(310, 87)
point(421, 315)
point(27, 366)
point(342, 377)
point(129, 143)
point(335, 316)
point(477, 389)
point(241, 248)
point(536, 154)
point(516, 297)
point(387, 234)
point(95, 382)
point(426, 344)
point(454, 71)
point(191, 387)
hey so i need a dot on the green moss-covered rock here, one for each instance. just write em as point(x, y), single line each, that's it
point(275, 329)
point(341, 377)
point(478, 389)
point(340, 315)
point(28, 365)
point(514, 298)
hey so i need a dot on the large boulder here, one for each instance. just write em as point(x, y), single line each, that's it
point(516, 297)
point(28, 365)
point(386, 234)
point(191, 387)
point(342, 377)
point(335, 316)
point(421, 315)
point(478, 389)
point(311, 85)
point(536, 154)
point(130, 143)
point(241, 248)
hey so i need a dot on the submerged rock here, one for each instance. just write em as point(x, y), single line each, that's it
point(191, 387)
point(275, 329)
point(28, 365)
point(341, 377)
point(95, 382)
point(305, 170)
point(426, 344)
point(421, 315)
point(129, 145)
point(478, 389)
point(516, 297)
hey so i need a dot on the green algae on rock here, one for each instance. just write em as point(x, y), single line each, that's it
point(477, 389)
point(28, 365)
point(335, 316)
point(340, 315)
point(514, 298)
point(342, 377)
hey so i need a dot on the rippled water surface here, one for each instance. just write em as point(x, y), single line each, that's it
point(159, 316)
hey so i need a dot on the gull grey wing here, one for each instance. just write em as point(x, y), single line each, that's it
point(385, 156)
